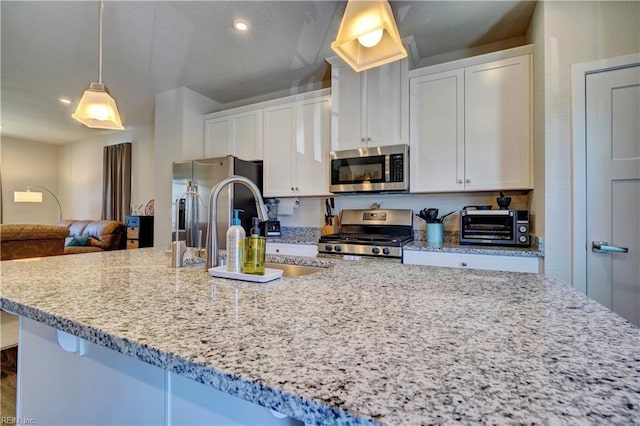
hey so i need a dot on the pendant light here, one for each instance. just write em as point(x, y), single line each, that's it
point(368, 36)
point(97, 109)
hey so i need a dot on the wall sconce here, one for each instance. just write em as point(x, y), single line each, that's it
point(30, 196)
point(368, 36)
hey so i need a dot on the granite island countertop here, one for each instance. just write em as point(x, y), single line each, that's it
point(358, 343)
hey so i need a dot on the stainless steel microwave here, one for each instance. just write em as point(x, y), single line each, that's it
point(374, 169)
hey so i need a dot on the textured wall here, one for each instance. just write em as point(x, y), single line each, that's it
point(29, 163)
point(80, 171)
point(574, 32)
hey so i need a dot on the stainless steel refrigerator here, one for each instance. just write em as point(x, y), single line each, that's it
point(201, 176)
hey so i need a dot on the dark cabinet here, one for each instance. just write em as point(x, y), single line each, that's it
point(139, 231)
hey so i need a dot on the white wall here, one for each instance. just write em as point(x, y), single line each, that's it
point(179, 129)
point(25, 163)
point(536, 33)
point(573, 32)
point(80, 171)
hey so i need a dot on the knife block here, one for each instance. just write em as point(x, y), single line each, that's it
point(334, 228)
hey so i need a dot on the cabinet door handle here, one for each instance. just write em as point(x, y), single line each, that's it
point(604, 247)
point(468, 181)
point(292, 188)
point(459, 181)
point(463, 263)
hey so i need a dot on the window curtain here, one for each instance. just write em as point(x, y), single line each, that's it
point(116, 182)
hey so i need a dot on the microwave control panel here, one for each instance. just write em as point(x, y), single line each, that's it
point(397, 167)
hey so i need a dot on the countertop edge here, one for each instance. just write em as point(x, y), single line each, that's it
point(242, 387)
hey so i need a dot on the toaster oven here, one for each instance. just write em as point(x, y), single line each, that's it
point(495, 227)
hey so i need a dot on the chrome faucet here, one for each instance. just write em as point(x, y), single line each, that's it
point(212, 231)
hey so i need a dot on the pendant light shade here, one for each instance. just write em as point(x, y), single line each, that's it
point(368, 36)
point(97, 109)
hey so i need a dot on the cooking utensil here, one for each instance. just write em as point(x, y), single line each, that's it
point(444, 216)
point(432, 214)
point(428, 215)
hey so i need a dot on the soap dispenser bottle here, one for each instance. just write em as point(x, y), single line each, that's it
point(235, 244)
point(255, 250)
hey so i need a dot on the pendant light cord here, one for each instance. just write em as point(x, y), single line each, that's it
point(100, 10)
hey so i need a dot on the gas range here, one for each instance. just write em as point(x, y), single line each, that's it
point(370, 234)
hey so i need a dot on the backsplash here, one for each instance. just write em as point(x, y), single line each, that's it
point(309, 212)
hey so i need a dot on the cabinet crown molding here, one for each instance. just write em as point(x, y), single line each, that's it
point(473, 60)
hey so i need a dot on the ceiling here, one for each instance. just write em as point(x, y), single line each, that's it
point(49, 51)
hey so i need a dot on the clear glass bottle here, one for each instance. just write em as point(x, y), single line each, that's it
point(254, 250)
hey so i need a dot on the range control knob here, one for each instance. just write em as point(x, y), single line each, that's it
point(523, 239)
point(386, 250)
point(375, 250)
point(522, 229)
point(328, 247)
point(337, 248)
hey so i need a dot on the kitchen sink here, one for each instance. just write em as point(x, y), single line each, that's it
point(294, 270)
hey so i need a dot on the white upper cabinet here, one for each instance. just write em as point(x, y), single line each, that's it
point(238, 134)
point(498, 125)
point(471, 127)
point(296, 148)
point(369, 108)
point(437, 132)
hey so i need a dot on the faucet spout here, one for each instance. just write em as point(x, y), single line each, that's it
point(212, 231)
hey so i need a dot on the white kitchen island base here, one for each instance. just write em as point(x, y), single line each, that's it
point(95, 385)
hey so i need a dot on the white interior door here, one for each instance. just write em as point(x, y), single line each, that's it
point(613, 190)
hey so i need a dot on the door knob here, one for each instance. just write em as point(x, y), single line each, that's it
point(604, 247)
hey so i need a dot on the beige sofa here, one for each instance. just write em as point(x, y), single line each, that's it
point(85, 236)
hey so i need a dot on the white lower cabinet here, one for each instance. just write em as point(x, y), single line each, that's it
point(284, 249)
point(101, 386)
point(64, 380)
point(192, 403)
point(473, 261)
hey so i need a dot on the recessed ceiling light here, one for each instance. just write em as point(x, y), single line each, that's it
point(65, 101)
point(240, 25)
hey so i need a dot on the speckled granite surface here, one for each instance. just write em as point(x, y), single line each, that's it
point(361, 342)
point(451, 245)
point(297, 235)
point(302, 235)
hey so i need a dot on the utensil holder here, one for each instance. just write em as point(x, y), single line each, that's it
point(435, 233)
